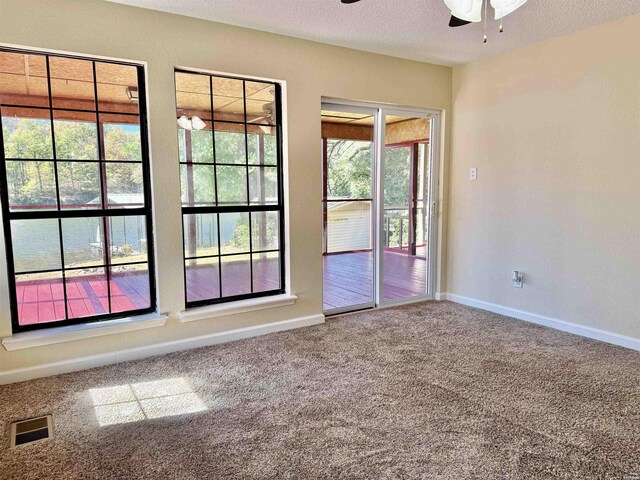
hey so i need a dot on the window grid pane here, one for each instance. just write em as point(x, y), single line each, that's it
point(72, 148)
point(230, 172)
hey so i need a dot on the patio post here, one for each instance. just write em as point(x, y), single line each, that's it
point(106, 222)
point(413, 198)
point(188, 156)
point(262, 229)
point(325, 191)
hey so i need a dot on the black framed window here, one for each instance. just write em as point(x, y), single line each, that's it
point(230, 149)
point(75, 187)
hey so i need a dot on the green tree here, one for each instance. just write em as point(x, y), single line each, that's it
point(349, 169)
point(201, 146)
point(396, 176)
point(122, 142)
point(76, 140)
point(32, 182)
point(29, 182)
point(241, 233)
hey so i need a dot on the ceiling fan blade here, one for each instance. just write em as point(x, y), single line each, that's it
point(457, 22)
point(258, 119)
point(350, 1)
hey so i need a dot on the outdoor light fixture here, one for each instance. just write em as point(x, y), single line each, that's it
point(193, 123)
point(132, 94)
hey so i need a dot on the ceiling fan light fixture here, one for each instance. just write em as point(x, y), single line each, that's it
point(197, 123)
point(184, 122)
point(193, 123)
point(468, 10)
point(505, 7)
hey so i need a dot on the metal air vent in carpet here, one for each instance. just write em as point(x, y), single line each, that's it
point(31, 430)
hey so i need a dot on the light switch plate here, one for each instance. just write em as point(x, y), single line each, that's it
point(473, 173)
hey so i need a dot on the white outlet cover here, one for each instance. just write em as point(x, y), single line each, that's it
point(473, 173)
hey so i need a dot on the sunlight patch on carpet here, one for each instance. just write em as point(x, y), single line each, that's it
point(145, 400)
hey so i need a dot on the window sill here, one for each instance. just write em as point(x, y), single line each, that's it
point(242, 306)
point(55, 335)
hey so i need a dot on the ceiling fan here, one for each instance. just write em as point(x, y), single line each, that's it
point(464, 12)
point(268, 110)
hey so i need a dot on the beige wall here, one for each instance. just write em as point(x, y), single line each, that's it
point(310, 71)
point(554, 129)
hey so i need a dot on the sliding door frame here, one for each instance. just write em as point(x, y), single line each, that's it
point(431, 203)
point(365, 110)
point(380, 112)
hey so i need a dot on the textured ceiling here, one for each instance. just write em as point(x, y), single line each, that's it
point(414, 29)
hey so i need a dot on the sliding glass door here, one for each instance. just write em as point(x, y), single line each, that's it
point(348, 242)
point(405, 201)
point(379, 231)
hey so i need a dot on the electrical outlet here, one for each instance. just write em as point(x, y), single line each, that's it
point(518, 279)
point(473, 173)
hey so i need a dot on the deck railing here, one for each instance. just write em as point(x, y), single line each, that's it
point(397, 232)
point(396, 227)
point(349, 229)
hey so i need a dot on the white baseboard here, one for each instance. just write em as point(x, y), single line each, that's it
point(66, 366)
point(581, 330)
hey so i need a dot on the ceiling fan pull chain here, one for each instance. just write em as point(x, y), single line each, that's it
point(501, 20)
point(486, 2)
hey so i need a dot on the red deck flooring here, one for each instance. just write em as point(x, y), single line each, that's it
point(203, 281)
point(41, 301)
point(348, 281)
point(348, 278)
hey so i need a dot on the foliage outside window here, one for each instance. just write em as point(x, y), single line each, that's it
point(348, 185)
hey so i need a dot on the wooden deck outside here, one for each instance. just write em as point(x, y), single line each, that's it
point(42, 301)
point(203, 281)
point(348, 278)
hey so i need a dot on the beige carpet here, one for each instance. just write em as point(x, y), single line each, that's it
point(435, 390)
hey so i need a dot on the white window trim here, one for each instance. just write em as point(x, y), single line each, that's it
point(51, 336)
point(233, 308)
